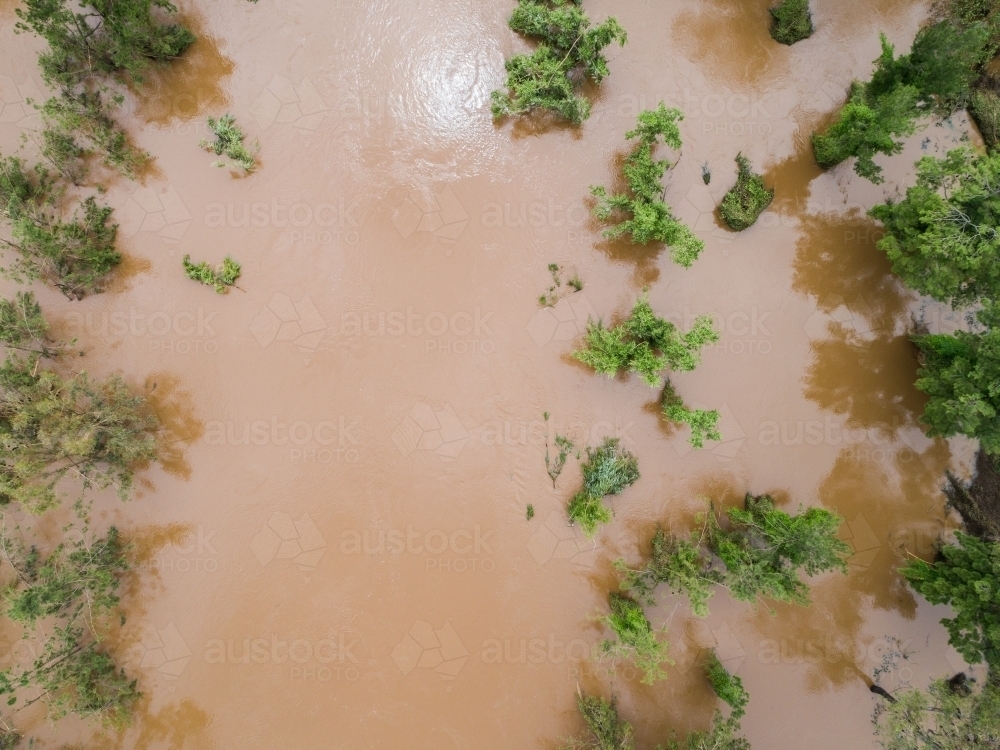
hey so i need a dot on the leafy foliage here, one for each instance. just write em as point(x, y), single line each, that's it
point(23, 327)
point(569, 52)
point(942, 238)
point(644, 215)
point(607, 730)
point(791, 21)
point(229, 141)
point(645, 344)
point(721, 735)
point(221, 278)
point(74, 255)
point(746, 201)
point(984, 106)
point(959, 372)
point(554, 466)
point(637, 640)
point(966, 577)
point(759, 555)
point(937, 74)
point(702, 422)
point(727, 686)
point(608, 470)
point(949, 716)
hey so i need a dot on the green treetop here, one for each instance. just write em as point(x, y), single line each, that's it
point(942, 238)
point(569, 52)
point(642, 212)
point(608, 470)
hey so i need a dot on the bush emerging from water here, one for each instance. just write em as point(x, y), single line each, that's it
point(984, 106)
point(607, 730)
point(645, 216)
point(791, 21)
point(569, 52)
point(683, 564)
point(747, 199)
point(727, 686)
point(228, 141)
point(636, 639)
point(75, 255)
point(645, 344)
point(703, 423)
point(608, 470)
point(220, 278)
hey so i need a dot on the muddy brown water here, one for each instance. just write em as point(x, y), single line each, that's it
point(333, 550)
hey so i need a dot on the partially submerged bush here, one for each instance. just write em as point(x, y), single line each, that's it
point(644, 215)
point(607, 730)
point(608, 470)
point(569, 53)
point(984, 106)
point(645, 344)
point(220, 278)
point(747, 199)
point(942, 238)
point(791, 21)
point(24, 328)
point(73, 255)
point(759, 555)
point(727, 686)
point(637, 641)
point(936, 75)
point(703, 423)
point(229, 141)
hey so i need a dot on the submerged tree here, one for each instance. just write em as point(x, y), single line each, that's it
point(758, 555)
point(967, 578)
point(747, 199)
point(959, 372)
point(645, 344)
point(951, 715)
point(228, 141)
point(935, 76)
point(569, 53)
point(608, 470)
point(703, 422)
point(791, 21)
point(74, 254)
point(607, 731)
point(220, 278)
point(942, 238)
point(636, 639)
point(644, 215)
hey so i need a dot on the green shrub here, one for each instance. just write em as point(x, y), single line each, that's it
point(637, 641)
point(229, 141)
point(645, 344)
point(644, 215)
point(746, 201)
point(967, 578)
point(74, 255)
point(985, 109)
point(681, 564)
point(220, 278)
point(24, 328)
point(607, 730)
point(791, 21)
point(569, 53)
point(727, 686)
point(608, 470)
point(702, 423)
point(942, 238)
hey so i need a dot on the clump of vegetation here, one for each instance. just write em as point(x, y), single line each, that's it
point(220, 278)
point(965, 576)
point(76, 585)
point(229, 142)
point(984, 106)
point(936, 76)
point(553, 295)
point(758, 555)
point(607, 730)
point(978, 502)
point(727, 686)
point(703, 423)
point(951, 715)
point(554, 466)
point(959, 372)
point(791, 21)
point(942, 238)
point(746, 201)
point(608, 470)
point(24, 328)
point(569, 53)
point(645, 344)
point(644, 215)
point(529, 512)
point(76, 254)
point(636, 639)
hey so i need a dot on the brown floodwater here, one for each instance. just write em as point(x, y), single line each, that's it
point(333, 550)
